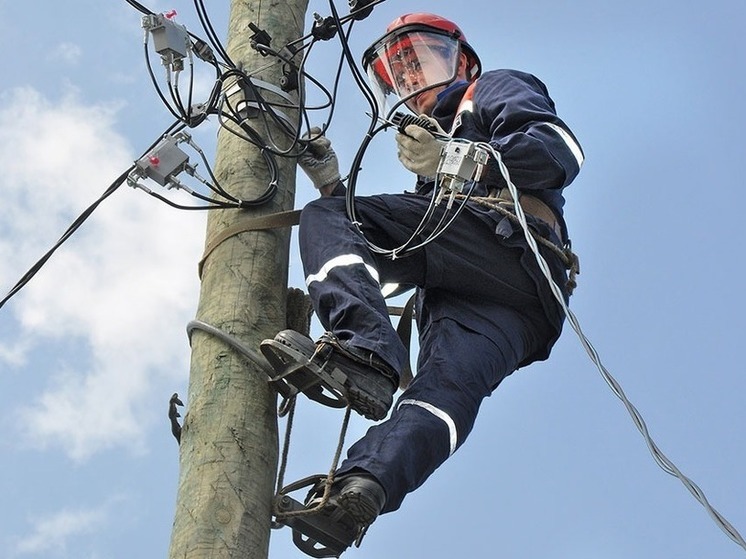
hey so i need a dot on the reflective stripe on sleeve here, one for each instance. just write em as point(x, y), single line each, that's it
point(440, 414)
point(571, 143)
point(336, 262)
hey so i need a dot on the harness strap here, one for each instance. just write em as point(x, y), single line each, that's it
point(256, 223)
point(404, 329)
point(565, 253)
point(533, 206)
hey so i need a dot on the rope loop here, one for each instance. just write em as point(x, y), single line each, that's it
point(568, 258)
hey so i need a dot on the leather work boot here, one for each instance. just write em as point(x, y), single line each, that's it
point(370, 384)
point(355, 501)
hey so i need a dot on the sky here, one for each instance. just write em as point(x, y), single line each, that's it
point(92, 349)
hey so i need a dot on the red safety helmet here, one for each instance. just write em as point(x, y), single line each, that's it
point(418, 51)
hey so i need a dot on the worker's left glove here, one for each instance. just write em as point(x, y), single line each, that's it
point(419, 151)
point(319, 161)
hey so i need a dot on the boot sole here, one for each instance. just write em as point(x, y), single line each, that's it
point(358, 507)
point(360, 400)
point(365, 404)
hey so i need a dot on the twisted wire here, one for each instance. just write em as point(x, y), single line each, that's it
point(661, 459)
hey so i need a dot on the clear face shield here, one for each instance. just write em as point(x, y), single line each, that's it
point(405, 63)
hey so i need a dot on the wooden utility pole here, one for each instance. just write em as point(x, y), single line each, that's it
point(229, 447)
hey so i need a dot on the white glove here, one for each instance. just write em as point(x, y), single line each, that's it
point(319, 161)
point(419, 151)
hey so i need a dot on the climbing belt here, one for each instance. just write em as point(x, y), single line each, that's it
point(507, 209)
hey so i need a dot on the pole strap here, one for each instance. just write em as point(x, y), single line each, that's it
point(404, 329)
point(278, 220)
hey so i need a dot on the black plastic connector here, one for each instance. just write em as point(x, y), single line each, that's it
point(289, 80)
point(358, 9)
point(259, 38)
point(203, 51)
point(324, 28)
point(402, 120)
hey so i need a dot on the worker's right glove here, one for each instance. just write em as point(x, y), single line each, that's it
point(319, 161)
point(418, 150)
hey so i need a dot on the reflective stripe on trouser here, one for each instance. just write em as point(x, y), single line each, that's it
point(343, 281)
point(344, 277)
point(457, 369)
point(480, 316)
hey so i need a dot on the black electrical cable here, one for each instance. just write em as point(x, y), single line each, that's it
point(173, 88)
point(253, 137)
point(438, 230)
point(66, 235)
point(158, 90)
point(211, 34)
point(300, 107)
point(263, 108)
point(364, 10)
point(330, 95)
point(370, 98)
point(76, 225)
point(215, 184)
point(186, 111)
point(335, 89)
point(139, 7)
point(266, 109)
point(190, 98)
point(407, 248)
point(214, 205)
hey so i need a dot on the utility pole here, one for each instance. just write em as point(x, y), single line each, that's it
point(229, 446)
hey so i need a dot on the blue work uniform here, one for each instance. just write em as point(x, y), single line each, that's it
point(483, 309)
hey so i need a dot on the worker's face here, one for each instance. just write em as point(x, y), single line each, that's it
point(415, 71)
point(415, 66)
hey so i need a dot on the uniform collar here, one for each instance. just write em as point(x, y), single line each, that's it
point(448, 101)
point(454, 85)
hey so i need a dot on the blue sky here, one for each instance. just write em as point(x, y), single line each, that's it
point(93, 348)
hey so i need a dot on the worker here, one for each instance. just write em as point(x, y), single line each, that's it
point(483, 308)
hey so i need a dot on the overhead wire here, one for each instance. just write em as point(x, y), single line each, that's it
point(184, 116)
point(26, 278)
point(211, 34)
point(139, 7)
point(660, 458)
point(74, 226)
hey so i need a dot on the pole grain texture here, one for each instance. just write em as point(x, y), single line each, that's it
point(229, 442)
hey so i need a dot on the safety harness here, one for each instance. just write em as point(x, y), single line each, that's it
point(501, 201)
point(290, 373)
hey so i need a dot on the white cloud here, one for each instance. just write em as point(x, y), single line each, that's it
point(53, 532)
point(14, 355)
point(69, 53)
point(122, 288)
